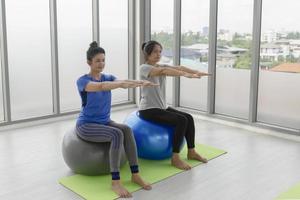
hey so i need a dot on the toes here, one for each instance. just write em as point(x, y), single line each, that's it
point(123, 195)
point(197, 157)
point(188, 167)
point(204, 160)
point(147, 187)
point(126, 194)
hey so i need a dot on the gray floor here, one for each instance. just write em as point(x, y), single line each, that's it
point(257, 166)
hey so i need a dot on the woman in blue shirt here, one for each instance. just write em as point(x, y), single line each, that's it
point(94, 123)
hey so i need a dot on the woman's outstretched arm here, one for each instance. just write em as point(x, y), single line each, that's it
point(170, 71)
point(110, 85)
point(189, 70)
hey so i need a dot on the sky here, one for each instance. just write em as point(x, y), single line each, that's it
point(235, 15)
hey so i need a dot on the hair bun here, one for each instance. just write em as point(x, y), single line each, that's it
point(143, 45)
point(94, 44)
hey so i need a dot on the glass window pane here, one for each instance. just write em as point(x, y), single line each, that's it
point(114, 39)
point(74, 37)
point(234, 57)
point(1, 90)
point(162, 31)
point(279, 76)
point(29, 58)
point(194, 52)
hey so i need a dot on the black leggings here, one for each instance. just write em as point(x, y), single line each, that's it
point(183, 122)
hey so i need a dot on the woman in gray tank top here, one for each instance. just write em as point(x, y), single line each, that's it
point(153, 102)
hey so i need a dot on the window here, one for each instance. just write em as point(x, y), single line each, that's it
point(29, 58)
point(114, 39)
point(194, 52)
point(1, 91)
point(162, 31)
point(74, 37)
point(279, 76)
point(234, 39)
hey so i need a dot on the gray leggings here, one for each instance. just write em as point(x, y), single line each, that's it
point(115, 133)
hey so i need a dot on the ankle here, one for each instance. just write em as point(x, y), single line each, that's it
point(192, 150)
point(175, 156)
point(135, 175)
point(116, 182)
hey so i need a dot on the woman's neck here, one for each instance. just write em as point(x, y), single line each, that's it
point(95, 75)
point(151, 63)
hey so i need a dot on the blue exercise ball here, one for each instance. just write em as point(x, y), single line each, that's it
point(154, 141)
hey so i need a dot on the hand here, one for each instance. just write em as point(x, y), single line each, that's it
point(132, 84)
point(203, 74)
point(188, 75)
point(149, 83)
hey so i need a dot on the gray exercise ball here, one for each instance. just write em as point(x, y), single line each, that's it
point(87, 158)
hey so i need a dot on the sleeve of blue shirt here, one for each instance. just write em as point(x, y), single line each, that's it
point(81, 83)
point(112, 78)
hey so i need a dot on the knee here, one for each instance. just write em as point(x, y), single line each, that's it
point(118, 137)
point(190, 118)
point(128, 133)
point(182, 120)
point(127, 129)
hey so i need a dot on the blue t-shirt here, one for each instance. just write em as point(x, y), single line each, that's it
point(95, 106)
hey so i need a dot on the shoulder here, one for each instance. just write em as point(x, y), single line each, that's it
point(83, 81)
point(108, 77)
point(146, 66)
point(164, 65)
point(83, 77)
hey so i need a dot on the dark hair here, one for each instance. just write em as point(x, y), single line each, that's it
point(147, 47)
point(93, 51)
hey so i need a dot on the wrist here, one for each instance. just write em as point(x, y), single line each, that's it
point(183, 73)
point(120, 84)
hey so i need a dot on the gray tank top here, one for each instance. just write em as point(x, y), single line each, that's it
point(152, 97)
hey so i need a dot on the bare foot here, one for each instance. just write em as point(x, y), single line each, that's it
point(118, 188)
point(136, 178)
point(178, 163)
point(193, 155)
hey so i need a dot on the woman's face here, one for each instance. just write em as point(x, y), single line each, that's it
point(98, 62)
point(155, 55)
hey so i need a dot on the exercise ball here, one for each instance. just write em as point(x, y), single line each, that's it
point(154, 141)
point(87, 158)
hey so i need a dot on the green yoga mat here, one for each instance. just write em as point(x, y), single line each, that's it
point(293, 193)
point(98, 187)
